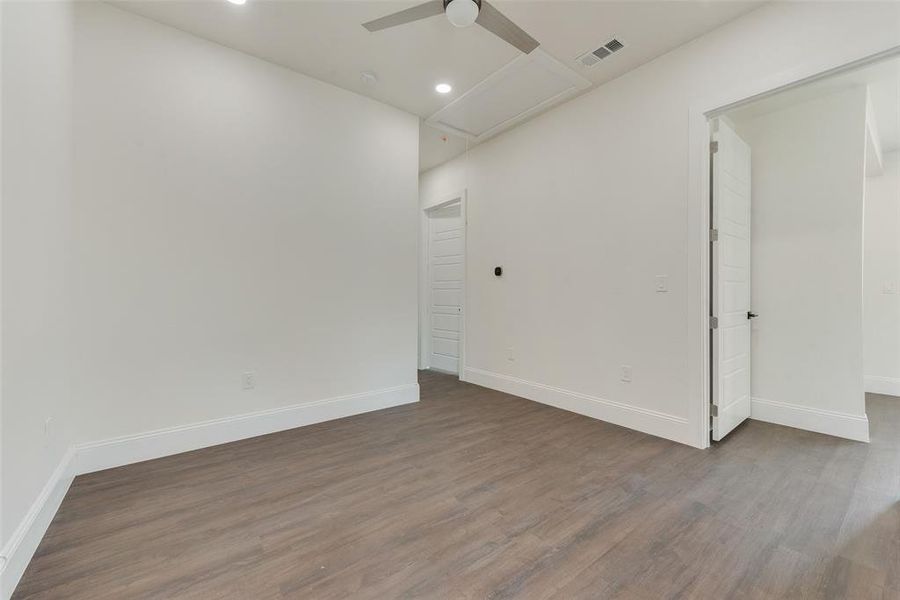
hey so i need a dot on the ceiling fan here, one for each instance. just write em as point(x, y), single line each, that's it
point(461, 13)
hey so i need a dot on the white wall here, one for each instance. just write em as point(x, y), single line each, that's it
point(232, 216)
point(36, 231)
point(226, 215)
point(587, 204)
point(881, 279)
point(807, 239)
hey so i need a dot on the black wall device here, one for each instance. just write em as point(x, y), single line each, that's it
point(498, 271)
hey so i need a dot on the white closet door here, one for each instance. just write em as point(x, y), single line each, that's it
point(731, 281)
point(446, 245)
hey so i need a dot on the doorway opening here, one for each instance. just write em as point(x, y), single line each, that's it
point(804, 254)
point(442, 323)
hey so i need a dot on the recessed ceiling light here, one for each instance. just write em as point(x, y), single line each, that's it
point(443, 88)
point(238, 1)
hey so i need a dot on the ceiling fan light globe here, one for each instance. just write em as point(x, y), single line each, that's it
point(462, 13)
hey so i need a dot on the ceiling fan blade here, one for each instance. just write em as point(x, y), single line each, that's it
point(494, 21)
point(422, 11)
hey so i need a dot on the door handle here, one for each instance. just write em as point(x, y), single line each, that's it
point(751, 315)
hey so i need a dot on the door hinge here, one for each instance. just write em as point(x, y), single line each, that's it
point(713, 147)
point(714, 235)
point(713, 410)
point(714, 322)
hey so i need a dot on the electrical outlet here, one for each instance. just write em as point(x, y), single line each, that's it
point(626, 373)
point(511, 354)
point(662, 283)
point(889, 287)
point(248, 380)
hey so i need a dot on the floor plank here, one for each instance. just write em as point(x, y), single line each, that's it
point(472, 493)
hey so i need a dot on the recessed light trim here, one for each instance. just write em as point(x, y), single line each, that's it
point(238, 2)
point(443, 88)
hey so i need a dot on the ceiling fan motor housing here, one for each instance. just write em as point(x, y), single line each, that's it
point(446, 2)
point(462, 13)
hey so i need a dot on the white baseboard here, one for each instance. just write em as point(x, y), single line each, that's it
point(645, 420)
point(838, 424)
point(17, 552)
point(96, 456)
point(125, 450)
point(889, 386)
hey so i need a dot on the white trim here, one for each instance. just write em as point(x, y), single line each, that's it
point(446, 200)
point(888, 386)
point(17, 552)
point(699, 114)
point(106, 454)
point(699, 372)
point(656, 423)
point(116, 452)
point(838, 424)
point(874, 159)
point(463, 203)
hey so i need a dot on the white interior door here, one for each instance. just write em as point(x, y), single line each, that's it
point(446, 248)
point(730, 280)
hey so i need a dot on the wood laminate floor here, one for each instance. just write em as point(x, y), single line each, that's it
point(473, 493)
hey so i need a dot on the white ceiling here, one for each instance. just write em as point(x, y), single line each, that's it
point(325, 39)
point(882, 79)
point(436, 146)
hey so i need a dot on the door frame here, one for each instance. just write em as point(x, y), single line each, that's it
point(701, 113)
point(425, 279)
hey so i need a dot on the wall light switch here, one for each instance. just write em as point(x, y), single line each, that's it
point(889, 287)
point(626, 373)
point(662, 283)
point(511, 354)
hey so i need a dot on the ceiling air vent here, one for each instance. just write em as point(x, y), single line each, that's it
point(614, 45)
point(589, 59)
